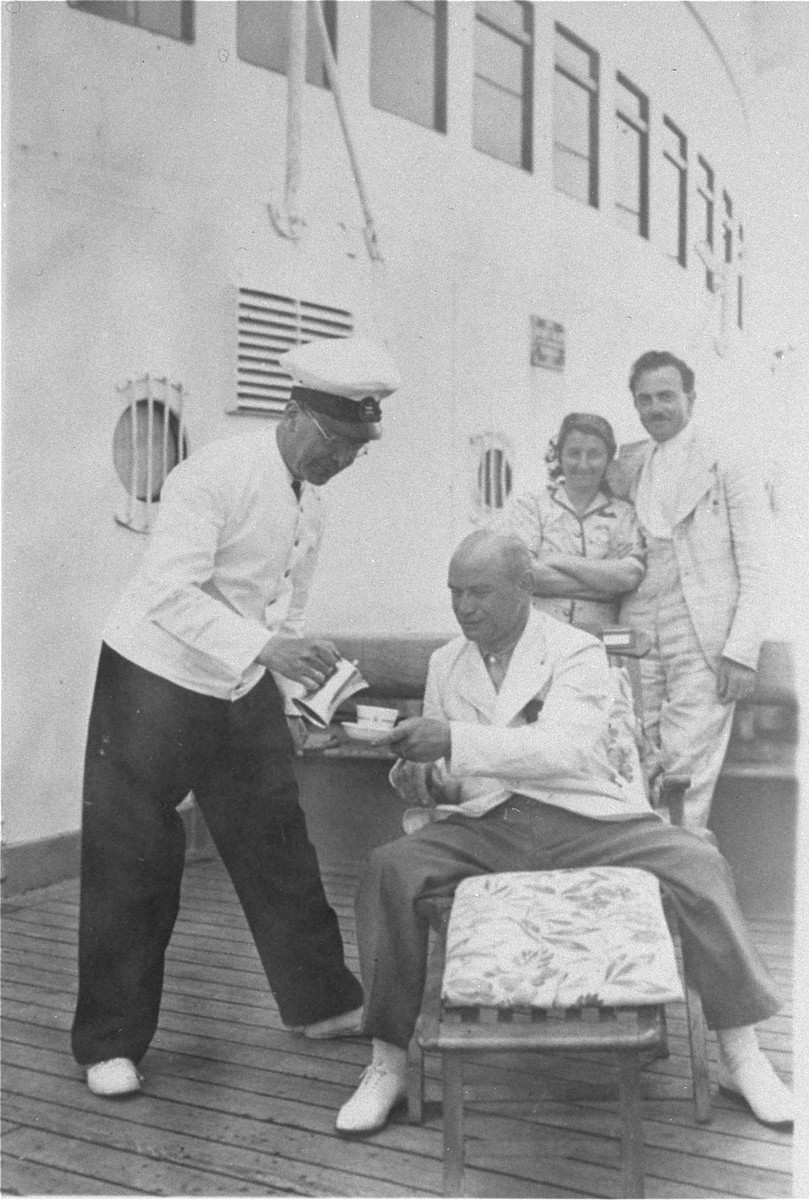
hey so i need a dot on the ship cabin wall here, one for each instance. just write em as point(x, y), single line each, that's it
point(139, 172)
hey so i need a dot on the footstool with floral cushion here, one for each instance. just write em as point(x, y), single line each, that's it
point(572, 960)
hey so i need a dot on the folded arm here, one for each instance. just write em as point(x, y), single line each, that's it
point(587, 578)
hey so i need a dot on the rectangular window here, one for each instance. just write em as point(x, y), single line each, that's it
point(673, 213)
point(705, 190)
point(262, 36)
point(740, 283)
point(727, 227)
point(173, 18)
point(269, 324)
point(503, 98)
point(575, 119)
point(409, 60)
point(632, 158)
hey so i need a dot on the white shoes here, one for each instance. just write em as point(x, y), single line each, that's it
point(114, 1077)
point(348, 1024)
point(382, 1087)
point(752, 1080)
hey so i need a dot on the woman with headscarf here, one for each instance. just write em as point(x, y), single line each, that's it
point(586, 543)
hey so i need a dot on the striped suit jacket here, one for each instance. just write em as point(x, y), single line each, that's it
point(723, 542)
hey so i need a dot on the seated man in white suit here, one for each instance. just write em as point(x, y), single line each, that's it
point(516, 724)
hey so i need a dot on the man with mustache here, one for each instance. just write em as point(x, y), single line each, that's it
point(705, 516)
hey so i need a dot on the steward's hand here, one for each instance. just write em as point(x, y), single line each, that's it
point(421, 739)
point(309, 661)
point(734, 681)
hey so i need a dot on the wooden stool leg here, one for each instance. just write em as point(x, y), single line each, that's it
point(699, 1055)
point(415, 1083)
point(631, 1125)
point(663, 1052)
point(452, 1073)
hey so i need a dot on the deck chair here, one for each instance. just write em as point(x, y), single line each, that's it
point(496, 1012)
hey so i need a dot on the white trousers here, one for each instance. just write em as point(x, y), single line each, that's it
point(683, 716)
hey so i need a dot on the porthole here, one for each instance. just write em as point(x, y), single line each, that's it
point(148, 442)
point(142, 456)
point(494, 475)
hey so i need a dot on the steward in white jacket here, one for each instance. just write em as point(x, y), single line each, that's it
point(187, 699)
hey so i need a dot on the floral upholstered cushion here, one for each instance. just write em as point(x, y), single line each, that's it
point(623, 748)
point(560, 939)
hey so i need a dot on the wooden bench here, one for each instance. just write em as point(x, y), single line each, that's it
point(754, 811)
point(762, 745)
point(764, 737)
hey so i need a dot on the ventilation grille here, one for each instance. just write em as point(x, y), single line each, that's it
point(268, 326)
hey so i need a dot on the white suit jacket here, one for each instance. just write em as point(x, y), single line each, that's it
point(498, 749)
point(230, 549)
point(723, 542)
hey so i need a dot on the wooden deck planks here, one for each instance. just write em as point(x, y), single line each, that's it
point(236, 1105)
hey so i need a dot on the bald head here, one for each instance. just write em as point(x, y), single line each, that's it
point(504, 551)
point(490, 582)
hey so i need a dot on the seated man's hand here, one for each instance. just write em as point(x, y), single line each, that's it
point(410, 780)
point(734, 681)
point(444, 788)
point(309, 661)
point(421, 739)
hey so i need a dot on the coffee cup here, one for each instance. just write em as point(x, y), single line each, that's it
point(372, 716)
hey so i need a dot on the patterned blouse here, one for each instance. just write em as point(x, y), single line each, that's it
point(549, 525)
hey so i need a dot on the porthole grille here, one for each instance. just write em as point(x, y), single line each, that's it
point(268, 325)
point(494, 479)
point(491, 479)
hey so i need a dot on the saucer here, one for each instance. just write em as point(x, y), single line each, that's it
point(367, 733)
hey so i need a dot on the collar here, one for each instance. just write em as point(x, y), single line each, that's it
point(681, 443)
point(292, 480)
point(600, 502)
point(503, 657)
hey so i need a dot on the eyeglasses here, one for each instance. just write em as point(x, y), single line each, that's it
point(355, 449)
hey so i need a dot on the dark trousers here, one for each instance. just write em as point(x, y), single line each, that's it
point(526, 835)
point(149, 743)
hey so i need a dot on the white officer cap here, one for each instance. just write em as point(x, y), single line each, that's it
point(343, 378)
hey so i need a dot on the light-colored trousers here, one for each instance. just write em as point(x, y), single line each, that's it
point(528, 835)
point(683, 716)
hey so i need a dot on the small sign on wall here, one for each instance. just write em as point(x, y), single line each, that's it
point(547, 344)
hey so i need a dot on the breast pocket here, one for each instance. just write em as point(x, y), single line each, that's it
point(710, 523)
point(458, 708)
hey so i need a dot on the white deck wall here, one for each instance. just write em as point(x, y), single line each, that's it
point(137, 173)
